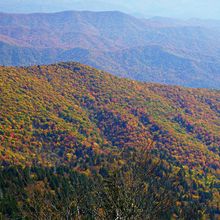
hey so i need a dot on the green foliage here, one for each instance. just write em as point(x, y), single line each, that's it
point(141, 189)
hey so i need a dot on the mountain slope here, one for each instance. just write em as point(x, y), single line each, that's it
point(158, 63)
point(136, 48)
point(71, 115)
point(69, 111)
point(71, 29)
point(132, 63)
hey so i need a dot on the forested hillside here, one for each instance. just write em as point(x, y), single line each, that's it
point(94, 109)
point(73, 115)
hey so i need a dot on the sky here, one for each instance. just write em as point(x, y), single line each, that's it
point(204, 9)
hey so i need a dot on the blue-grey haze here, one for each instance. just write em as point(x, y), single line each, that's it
point(205, 9)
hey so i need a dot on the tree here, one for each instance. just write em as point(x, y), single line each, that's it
point(135, 190)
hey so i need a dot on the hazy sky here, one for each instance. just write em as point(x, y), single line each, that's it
point(169, 8)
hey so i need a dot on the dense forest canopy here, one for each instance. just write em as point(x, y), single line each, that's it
point(70, 119)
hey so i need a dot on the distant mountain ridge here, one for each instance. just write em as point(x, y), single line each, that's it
point(118, 43)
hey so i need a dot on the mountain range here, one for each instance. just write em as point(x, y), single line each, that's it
point(160, 50)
